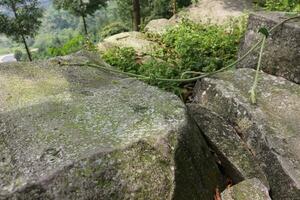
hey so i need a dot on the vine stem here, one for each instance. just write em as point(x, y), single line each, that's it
point(253, 88)
point(141, 77)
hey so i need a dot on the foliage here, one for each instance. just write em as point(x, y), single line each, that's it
point(80, 7)
point(18, 54)
point(122, 58)
point(112, 29)
point(150, 9)
point(188, 47)
point(198, 47)
point(21, 20)
point(283, 5)
point(73, 45)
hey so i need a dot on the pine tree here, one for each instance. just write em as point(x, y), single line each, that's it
point(80, 8)
point(20, 20)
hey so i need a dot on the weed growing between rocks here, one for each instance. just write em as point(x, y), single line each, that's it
point(184, 48)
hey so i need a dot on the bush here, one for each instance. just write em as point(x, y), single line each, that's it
point(282, 5)
point(71, 46)
point(112, 29)
point(200, 47)
point(188, 47)
point(122, 58)
point(18, 54)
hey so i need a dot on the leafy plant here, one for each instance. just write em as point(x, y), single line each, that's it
point(199, 47)
point(73, 45)
point(188, 47)
point(283, 5)
point(122, 58)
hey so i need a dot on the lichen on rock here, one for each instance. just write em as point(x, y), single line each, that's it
point(77, 132)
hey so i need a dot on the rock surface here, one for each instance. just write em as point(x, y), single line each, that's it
point(135, 40)
point(215, 11)
point(159, 26)
point(281, 56)
point(270, 129)
point(251, 189)
point(73, 132)
point(235, 157)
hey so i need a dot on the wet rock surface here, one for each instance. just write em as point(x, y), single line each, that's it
point(249, 189)
point(281, 56)
point(75, 132)
point(270, 129)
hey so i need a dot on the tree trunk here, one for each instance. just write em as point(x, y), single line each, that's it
point(174, 7)
point(13, 6)
point(27, 49)
point(136, 14)
point(84, 24)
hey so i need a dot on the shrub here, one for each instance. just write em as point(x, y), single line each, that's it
point(112, 29)
point(122, 58)
point(200, 47)
point(282, 5)
point(71, 46)
point(188, 47)
point(18, 54)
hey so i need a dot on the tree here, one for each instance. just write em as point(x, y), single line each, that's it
point(80, 8)
point(21, 20)
point(149, 9)
point(136, 14)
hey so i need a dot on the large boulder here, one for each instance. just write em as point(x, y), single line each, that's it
point(215, 11)
point(234, 156)
point(78, 132)
point(159, 26)
point(135, 40)
point(281, 56)
point(270, 129)
point(251, 189)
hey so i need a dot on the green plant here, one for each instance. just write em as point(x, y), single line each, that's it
point(112, 29)
point(283, 5)
point(71, 46)
point(188, 47)
point(198, 47)
point(124, 59)
point(18, 54)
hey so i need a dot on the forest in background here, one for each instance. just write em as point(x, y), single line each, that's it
point(62, 30)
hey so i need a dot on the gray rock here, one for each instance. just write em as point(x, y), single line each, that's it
point(215, 11)
point(76, 132)
point(135, 40)
point(271, 129)
point(159, 26)
point(234, 155)
point(281, 56)
point(251, 189)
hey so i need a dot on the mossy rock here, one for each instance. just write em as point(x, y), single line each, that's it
point(77, 132)
point(281, 55)
point(246, 190)
point(269, 129)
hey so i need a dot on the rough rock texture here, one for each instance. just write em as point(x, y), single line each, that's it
point(71, 132)
point(271, 129)
point(251, 189)
point(282, 53)
point(236, 159)
point(215, 11)
point(135, 40)
point(159, 26)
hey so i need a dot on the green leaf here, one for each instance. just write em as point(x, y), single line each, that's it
point(264, 31)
